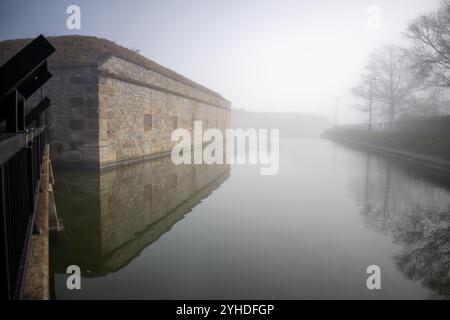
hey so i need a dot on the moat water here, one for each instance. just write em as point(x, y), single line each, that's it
point(154, 230)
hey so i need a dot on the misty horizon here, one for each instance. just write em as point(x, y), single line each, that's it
point(266, 56)
point(206, 152)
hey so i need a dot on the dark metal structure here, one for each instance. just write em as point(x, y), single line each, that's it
point(22, 141)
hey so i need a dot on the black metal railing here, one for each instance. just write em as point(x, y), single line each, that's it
point(22, 141)
point(20, 171)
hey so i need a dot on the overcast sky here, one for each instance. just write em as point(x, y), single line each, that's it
point(275, 55)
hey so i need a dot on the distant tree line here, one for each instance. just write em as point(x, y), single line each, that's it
point(414, 81)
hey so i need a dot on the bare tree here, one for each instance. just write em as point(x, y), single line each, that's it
point(428, 103)
point(389, 81)
point(431, 37)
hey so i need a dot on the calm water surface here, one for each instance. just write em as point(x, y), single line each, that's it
point(154, 230)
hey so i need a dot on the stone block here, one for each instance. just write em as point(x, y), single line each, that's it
point(77, 124)
point(77, 80)
point(76, 102)
point(73, 155)
point(91, 102)
point(92, 113)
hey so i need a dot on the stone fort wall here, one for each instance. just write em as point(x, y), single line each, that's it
point(139, 109)
point(112, 106)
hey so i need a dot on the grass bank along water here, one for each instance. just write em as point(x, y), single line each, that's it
point(426, 142)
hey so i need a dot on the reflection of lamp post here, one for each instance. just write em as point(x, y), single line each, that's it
point(335, 112)
point(370, 102)
point(366, 195)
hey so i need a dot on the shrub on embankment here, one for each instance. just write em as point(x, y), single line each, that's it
point(428, 143)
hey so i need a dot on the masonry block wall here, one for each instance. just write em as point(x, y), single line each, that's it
point(112, 106)
point(139, 109)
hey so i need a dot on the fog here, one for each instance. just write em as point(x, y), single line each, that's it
point(332, 165)
point(276, 56)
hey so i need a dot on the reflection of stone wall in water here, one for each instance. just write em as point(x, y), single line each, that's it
point(129, 208)
point(132, 198)
point(403, 202)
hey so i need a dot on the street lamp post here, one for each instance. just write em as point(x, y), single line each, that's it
point(370, 102)
point(336, 112)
